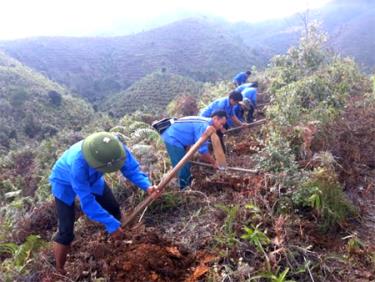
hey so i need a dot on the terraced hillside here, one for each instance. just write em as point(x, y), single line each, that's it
point(151, 94)
point(33, 107)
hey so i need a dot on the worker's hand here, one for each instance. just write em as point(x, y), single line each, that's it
point(118, 234)
point(153, 191)
point(244, 124)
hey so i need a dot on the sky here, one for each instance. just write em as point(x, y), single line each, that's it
point(28, 18)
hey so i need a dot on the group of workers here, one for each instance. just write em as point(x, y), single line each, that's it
point(79, 172)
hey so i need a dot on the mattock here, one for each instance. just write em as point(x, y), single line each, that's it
point(164, 182)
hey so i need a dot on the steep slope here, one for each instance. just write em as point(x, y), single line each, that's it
point(348, 24)
point(33, 107)
point(151, 94)
point(96, 67)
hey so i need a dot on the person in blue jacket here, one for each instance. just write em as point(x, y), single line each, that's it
point(241, 109)
point(79, 173)
point(242, 87)
point(241, 78)
point(250, 93)
point(185, 132)
point(226, 104)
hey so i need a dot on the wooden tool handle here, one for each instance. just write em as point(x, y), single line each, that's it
point(253, 124)
point(163, 183)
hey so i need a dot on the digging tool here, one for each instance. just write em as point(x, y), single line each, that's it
point(249, 125)
point(163, 183)
point(253, 171)
point(218, 150)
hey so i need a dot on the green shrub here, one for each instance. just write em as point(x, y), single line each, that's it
point(323, 193)
point(55, 98)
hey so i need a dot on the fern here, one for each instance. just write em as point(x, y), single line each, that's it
point(8, 248)
point(21, 255)
point(24, 251)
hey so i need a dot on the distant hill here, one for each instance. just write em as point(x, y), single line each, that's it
point(97, 67)
point(151, 94)
point(33, 108)
point(349, 25)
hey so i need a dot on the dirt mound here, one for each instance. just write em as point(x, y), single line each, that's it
point(143, 256)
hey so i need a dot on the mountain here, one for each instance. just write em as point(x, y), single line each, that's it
point(151, 94)
point(348, 24)
point(33, 108)
point(96, 67)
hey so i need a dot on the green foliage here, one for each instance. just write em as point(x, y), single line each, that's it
point(309, 83)
point(278, 277)
point(323, 193)
point(25, 109)
point(183, 106)
point(21, 255)
point(55, 98)
point(353, 244)
point(277, 155)
point(256, 237)
point(151, 94)
point(213, 91)
point(96, 68)
point(259, 239)
point(228, 236)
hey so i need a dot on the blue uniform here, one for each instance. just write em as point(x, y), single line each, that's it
point(186, 131)
point(182, 133)
point(71, 176)
point(239, 112)
point(251, 94)
point(240, 78)
point(220, 104)
point(242, 87)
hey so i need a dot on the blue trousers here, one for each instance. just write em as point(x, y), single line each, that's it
point(176, 154)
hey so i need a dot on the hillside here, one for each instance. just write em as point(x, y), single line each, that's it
point(33, 107)
point(151, 94)
point(346, 22)
point(96, 67)
point(296, 201)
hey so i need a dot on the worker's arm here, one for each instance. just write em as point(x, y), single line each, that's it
point(236, 121)
point(132, 171)
point(89, 205)
point(205, 155)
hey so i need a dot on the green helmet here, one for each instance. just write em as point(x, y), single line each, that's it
point(103, 151)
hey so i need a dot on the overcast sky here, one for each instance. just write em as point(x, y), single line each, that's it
point(26, 18)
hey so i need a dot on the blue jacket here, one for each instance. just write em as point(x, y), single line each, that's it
point(186, 131)
point(240, 78)
point(219, 104)
point(242, 87)
point(71, 176)
point(239, 112)
point(251, 94)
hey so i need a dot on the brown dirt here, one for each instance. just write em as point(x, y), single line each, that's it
point(143, 256)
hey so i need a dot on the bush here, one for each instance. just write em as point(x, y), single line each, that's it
point(55, 98)
point(32, 126)
point(183, 106)
point(323, 193)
